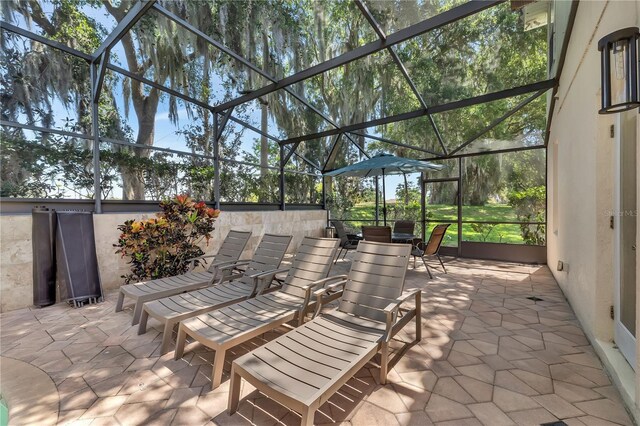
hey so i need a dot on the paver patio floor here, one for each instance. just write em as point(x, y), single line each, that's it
point(489, 356)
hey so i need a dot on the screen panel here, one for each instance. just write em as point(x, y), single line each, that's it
point(43, 86)
point(482, 53)
point(45, 165)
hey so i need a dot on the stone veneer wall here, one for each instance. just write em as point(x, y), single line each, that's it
point(16, 254)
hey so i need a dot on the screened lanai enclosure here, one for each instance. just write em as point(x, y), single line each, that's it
point(112, 105)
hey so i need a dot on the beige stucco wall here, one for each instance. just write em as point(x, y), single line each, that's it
point(16, 255)
point(581, 184)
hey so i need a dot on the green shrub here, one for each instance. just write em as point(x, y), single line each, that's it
point(163, 246)
point(530, 206)
point(484, 229)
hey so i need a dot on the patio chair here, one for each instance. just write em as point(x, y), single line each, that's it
point(404, 227)
point(431, 248)
point(380, 234)
point(258, 276)
point(225, 328)
point(347, 241)
point(228, 254)
point(303, 368)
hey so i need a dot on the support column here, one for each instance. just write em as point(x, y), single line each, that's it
point(216, 162)
point(459, 206)
point(377, 202)
point(423, 206)
point(218, 128)
point(324, 193)
point(282, 181)
point(384, 199)
point(95, 99)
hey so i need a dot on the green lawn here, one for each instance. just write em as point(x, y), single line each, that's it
point(504, 233)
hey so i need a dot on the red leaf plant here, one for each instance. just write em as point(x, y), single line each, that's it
point(163, 246)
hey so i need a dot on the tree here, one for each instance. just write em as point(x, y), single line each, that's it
point(481, 179)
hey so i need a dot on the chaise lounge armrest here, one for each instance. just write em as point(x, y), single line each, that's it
point(227, 268)
point(328, 292)
point(392, 309)
point(232, 264)
point(192, 261)
point(211, 256)
point(266, 278)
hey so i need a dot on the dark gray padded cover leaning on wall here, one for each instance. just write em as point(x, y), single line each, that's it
point(78, 273)
point(43, 240)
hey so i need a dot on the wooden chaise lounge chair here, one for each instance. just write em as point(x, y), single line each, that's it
point(258, 276)
point(304, 367)
point(229, 253)
point(235, 324)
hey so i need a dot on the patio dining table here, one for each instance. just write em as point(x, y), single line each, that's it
point(398, 237)
point(402, 237)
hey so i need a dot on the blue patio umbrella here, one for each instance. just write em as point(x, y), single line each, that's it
point(384, 164)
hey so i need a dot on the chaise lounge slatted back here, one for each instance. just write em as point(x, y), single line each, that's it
point(311, 263)
point(303, 368)
point(231, 249)
point(258, 275)
point(232, 325)
point(376, 279)
point(230, 252)
point(267, 257)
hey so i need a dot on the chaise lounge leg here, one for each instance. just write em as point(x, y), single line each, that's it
point(234, 392)
point(137, 311)
point(307, 417)
point(142, 327)
point(418, 316)
point(218, 365)
point(384, 363)
point(166, 336)
point(180, 341)
point(120, 301)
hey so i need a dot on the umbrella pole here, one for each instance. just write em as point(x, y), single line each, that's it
point(377, 202)
point(384, 201)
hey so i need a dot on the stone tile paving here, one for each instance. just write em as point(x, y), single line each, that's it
point(489, 356)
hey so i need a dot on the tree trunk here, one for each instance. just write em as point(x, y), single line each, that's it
point(133, 176)
point(145, 107)
point(406, 189)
